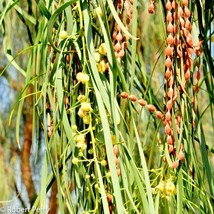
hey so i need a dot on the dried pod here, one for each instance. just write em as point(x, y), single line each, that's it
point(185, 3)
point(168, 5)
point(119, 37)
point(115, 150)
point(187, 75)
point(124, 45)
point(170, 139)
point(168, 62)
point(170, 92)
point(175, 98)
point(176, 40)
point(188, 24)
point(169, 105)
point(168, 116)
point(174, 4)
point(142, 102)
point(133, 98)
point(180, 12)
point(187, 12)
point(151, 8)
point(175, 164)
point(124, 95)
point(181, 155)
point(169, 17)
point(170, 39)
point(151, 108)
point(170, 28)
point(117, 47)
point(170, 148)
point(168, 73)
point(167, 129)
point(170, 82)
point(121, 53)
point(159, 114)
point(182, 22)
point(169, 51)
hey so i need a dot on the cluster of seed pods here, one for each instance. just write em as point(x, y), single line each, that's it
point(119, 40)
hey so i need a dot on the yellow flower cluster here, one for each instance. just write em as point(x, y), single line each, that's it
point(167, 188)
point(82, 77)
point(98, 56)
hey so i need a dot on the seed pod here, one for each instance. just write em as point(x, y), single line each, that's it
point(116, 160)
point(185, 3)
point(117, 47)
point(169, 105)
point(180, 12)
point(119, 36)
point(167, 129)
point(187, 75)
point(168, 5)
point(170, 82)
point(170, 139)
point(170, 39)
point(168, 62)
point(151, 8)
point(115, 150)
point(142, 102)
point(124, 95)
point(169, 51)
point(174, 4)
point(175, 98)
point(133, 98)
point(121, 53)
point(182, 22)
point(181, 155)
point(170, 28)
point(187, 12)
point(168, 73)
point(151, 108)
point(176, 40)
point(188, 25)
point(175, 164)
point(159, 114)
point(168, 116)
point(169, 16)
point(170, 92)
point(124, 45)
point(118, 172)
point(170, 148)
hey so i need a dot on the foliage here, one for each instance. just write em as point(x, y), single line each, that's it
point(99, 85)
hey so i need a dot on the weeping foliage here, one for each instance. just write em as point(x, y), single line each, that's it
point(100, 80)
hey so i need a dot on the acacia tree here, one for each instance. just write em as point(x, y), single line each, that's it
point(111, 91)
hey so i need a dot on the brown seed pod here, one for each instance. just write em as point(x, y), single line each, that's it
point(170, 92)
point(169, 51)
point(115, 150)
point(170, 139)
point(121, 53)
point(168, 62)
point(169, 16)
point(151, 108)
point(170, 82)
point(170, 28)
point(133, 98)
point(181, 155)
point(117, 47)
point(168, 73)
point(151, 8)
point(170, 39)
point(168, 116)
point(174, 4)
point(168, 5)
point(185, 3)
point(188, 24)
point(116, 160)
point(118, 172)
point(124, 95)
point(187, 75)
point(187, 12)
point(142, 102)
point(119, 37)
point(180, 12)
point(167, 129)
point(170, 148)
point(175, 164)
point(169, 105)
point(182, 22)
point(159, 114)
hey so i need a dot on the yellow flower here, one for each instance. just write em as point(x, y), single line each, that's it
point(86, 119)
point(63, 35)
point(80, 138)
point(74, 127)
point(103, 162)
point(81, 98)
point(97, 56)
point(75, 160)
point(81, 113)
point(85, 106)
point(83, 78)
point(102, 49)
point(170, 188)
point(81, 145)
point(101, 66)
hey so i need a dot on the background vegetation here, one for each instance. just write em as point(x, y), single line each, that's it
point(107, 106)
